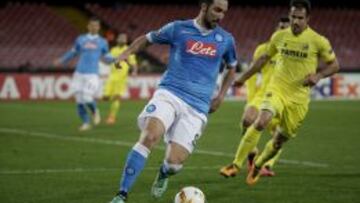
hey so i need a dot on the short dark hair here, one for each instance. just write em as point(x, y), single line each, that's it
point(301, 4)
point(284, 19)
point(208, 2)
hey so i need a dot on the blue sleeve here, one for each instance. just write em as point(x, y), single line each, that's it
point(105, 52)
point(230, 55)
point(74, 51)
point(164, 35)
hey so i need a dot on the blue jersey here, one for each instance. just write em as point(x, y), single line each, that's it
point(195, 60)
point(90, 49)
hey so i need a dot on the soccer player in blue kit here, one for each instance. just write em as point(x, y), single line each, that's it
point(90, 47)
point(179, 107)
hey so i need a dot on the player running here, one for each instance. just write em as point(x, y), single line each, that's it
point(179, 108)
point(256, 87)
point(287, 96)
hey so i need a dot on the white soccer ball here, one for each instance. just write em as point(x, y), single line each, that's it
point(190, 194)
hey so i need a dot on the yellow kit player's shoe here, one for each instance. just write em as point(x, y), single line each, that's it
point(110, 120)
point(253, 175)
point(230, 170)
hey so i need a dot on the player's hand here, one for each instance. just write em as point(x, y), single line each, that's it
point(122, 57)
point(311, 80)
point(215, 104)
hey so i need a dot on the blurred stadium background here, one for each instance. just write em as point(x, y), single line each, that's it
point(33, 34)
point(44, 159)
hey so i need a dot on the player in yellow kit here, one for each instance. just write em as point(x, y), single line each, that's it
point(256, 87)
point(116, 84)
point(288, 93)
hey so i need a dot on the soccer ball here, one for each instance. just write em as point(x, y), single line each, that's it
point(190, 194)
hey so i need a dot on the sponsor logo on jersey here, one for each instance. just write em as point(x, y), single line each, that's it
point(294, 53)
point(90, 45)
point(201, 48)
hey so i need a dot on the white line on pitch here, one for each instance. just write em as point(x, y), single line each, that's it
point(84, 170)
point(130, 144)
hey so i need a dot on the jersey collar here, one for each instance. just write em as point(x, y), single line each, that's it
point(90, 36)
point(201, 29)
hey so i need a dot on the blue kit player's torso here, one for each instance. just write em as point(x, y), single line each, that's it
point(195, 60)
point(90, 49)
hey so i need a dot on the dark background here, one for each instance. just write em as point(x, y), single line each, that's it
point(315, 3)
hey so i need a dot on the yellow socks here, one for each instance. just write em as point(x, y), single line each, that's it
point(268, 153)
point(272, 161)
point(114, 108)
point(247, 144)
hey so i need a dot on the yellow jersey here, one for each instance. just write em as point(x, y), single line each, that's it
point(297, 58)
point(123, 72)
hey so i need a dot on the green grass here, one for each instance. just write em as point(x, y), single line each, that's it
point(42, 137)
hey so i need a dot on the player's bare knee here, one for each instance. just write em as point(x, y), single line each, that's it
point(247, 121)
point(149, 139)
point(175, 159)
point(261, 124)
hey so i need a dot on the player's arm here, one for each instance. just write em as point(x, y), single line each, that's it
point(137, 45)
point(327, 55)
point(132, 62)
point(231, 63)
point(74, 51)
point(255, 67)
point(107, 56)
point(164, 35)
point(330, 69)
point(258, 62)
point(226, 83)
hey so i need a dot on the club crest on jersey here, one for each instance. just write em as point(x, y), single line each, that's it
point(201, 48)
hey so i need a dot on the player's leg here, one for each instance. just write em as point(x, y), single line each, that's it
point(252, 136)
point(292, 116)
point(272, 148)
point(137, 157)
point(267, 170)
point(77, 84)
point(82, 112)
point(181, 138)
point(173, 163)
point(90, 88)
point(154, 121)
point(114, 109)
point(119, 87)
point(249, 116)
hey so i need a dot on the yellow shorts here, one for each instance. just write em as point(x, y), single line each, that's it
point(115, 87)
point(290, 114)
point(256, 100)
